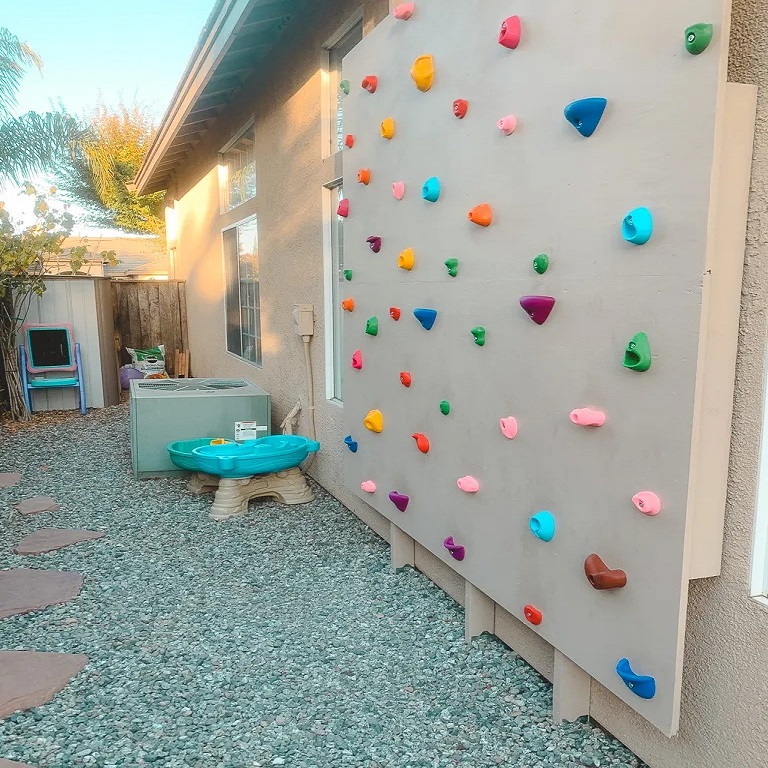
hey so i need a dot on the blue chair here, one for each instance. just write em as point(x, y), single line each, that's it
point(48, 349)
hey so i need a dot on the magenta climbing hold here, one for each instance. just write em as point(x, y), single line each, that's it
point(398, 189)
point(508, 427)
point(374, 242)
point(456, 551)
point(343, 209)
point(588, 417)
point(647, 502)
point(468, 484)
point(507, 124)
point(538, 308)
point(357, 359)
point(404, 11)
point(510, 33)
point(368, 486)
point(400, 500)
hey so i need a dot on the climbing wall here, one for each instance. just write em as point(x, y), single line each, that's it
point(525, 308)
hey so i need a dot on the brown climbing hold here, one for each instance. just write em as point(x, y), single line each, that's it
point(51, 539)
point(600, 576)
point(23, 590)
point(29, 679)
point(37, 505)
point(9, 479)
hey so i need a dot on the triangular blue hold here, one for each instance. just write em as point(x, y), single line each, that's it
point(426, 317)
point(585, 114)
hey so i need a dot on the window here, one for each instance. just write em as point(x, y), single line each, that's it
point(342, 43)
point(241, 272)
point(334, 295)
point(237, 169)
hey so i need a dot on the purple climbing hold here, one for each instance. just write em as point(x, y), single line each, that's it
point(400, 500)
point(374, 241)
point(456, 550)
point(538, 307)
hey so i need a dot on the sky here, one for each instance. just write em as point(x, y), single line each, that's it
point(104, 50)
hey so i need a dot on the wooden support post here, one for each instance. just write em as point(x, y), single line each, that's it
point(479, 612)
point(570, 697)
point(402, 548)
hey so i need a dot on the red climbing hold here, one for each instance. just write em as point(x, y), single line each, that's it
point(394, 313)
point(405, 378)
point(370, 83)
point(422, 442)
point(343, 209)
point(357, 360)
point(533, 614)
point(349, 140)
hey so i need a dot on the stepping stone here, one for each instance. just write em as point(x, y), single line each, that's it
point(29, 679)
point(51, 539)
point(23, 590)
point(11, 764)
point(8, 480)
point(37, 505)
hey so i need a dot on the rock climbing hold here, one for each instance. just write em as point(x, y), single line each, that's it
point(372, 326)
point(585, 114)
point(357, 360)
point(347, 274)
point(398, 189)
point(343, 209)
point(468, 484)
point(698, 37)
point(405, 378)
point(426, 317)
point(542, 525)
point(541, 264)
point(445, 407)
point(643, 686)
point(348, 305)
point(400, 500)
point(508, 427)
point(509, 35)
point(387, 128)
point(394, 313)
point(456, 551)
point(637, 355)
point(344, 87)
point(374, 242)
point(406, 259)
point(364, 176)
point(637, 226)
point(351, 444)
point(533, 614)
point(349, 141)
point(507, 125)
point(370, 83)
point(647, 502)
point(422, 441)
point(431, 189)
point(482, 215)
point(404, 11)
point(423, 72)
point(588, 417)
point(538, 308)
point(374, 421)
point(600, 576)
point(460, 107)
point(368, 486)
point(453, 266)
point(479, 333)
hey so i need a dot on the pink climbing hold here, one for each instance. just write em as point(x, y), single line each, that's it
point(357, 359)
point(398, 189)
point(468, 484)
point(510, 33)
point(343, 209)
point(507, 124)
point(588, 417)
point(538, 308)
point(508, 427)
point(456, 551)
point(368, 486)
point(404, 11)
point(647, 502)
point(400, 500)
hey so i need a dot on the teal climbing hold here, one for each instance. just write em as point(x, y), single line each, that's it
point(541, 263)
point(453, 266)
point(431, 189)
point(426, 317)
point(637, 226)
point(585, 114)
point(445, 407)
point(372, 326)
point(347, 274)
point(479, 334)
point(344, 86)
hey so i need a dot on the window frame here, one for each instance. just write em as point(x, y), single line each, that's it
point(758, 577)
point(224, 191)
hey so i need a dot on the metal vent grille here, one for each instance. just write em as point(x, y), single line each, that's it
point(184, 385)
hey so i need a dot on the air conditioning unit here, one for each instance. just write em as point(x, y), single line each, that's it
point(166, 410)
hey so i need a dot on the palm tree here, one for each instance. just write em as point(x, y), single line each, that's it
point(31, 142)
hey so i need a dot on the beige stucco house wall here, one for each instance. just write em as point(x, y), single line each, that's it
point(726, 680)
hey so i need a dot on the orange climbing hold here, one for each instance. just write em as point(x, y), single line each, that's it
point(370, 83)
point(364, 176)
point(423, 72)
point(405, 378)
point(348, 305)
point(422, 442)
point(482, 215)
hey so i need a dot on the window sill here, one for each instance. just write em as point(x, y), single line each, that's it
point(259, 366)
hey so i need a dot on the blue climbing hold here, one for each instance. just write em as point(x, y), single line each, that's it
point(643, 686)
point(426, 317)
point(585, 114)
point(431, 189)
point(637, 226)
point(351, 444)
point(543, 526)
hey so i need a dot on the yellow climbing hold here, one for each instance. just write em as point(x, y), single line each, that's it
point(406, 259)
point(423, 72)
point(374, 421)
point(387, 128)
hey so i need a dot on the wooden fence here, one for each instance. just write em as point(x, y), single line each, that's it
point(148, 313)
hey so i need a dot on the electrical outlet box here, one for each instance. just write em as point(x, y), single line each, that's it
point(304, 319)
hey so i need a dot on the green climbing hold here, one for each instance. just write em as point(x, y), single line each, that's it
point(479, 334)
point(453, 266)
point(347, 274)
point(698, 37)
point(372, 326)
point(344, 85)
point(445, 407)
point(541, 263)
point(637, 355)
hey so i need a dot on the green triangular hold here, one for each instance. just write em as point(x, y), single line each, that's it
point(347, 274)
point(637, 355)
point(541, 263)
point(453, 266)
point(372, 326)
point(445, 407)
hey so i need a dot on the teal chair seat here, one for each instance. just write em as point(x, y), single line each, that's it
point(45, 383)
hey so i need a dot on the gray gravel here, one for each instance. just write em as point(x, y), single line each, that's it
point(277, 639)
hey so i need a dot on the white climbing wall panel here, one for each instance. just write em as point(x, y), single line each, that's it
point(552, 191)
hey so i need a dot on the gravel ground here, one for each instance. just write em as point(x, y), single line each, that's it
point(277, 639)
